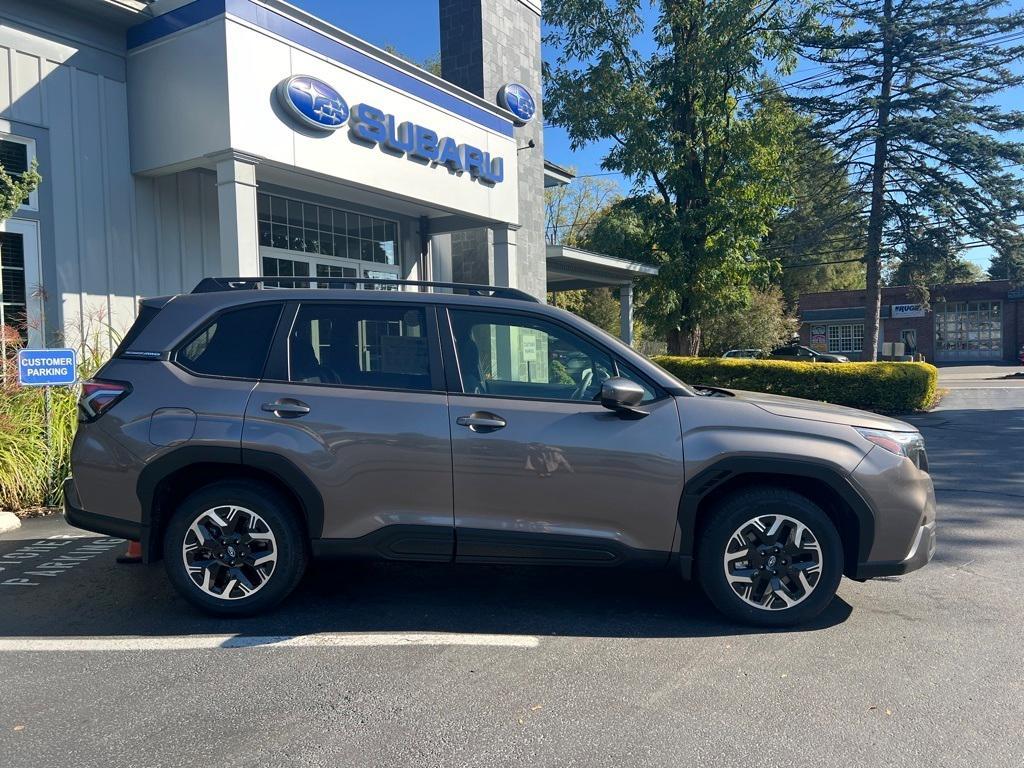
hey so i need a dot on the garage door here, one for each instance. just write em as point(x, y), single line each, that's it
point(968, 330)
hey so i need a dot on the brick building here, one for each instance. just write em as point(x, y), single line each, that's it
point(969, 322)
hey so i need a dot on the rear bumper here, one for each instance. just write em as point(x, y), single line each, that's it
point(921, 552)
point(90, 521)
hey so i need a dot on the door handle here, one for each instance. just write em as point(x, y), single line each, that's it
point(481, 422)
point(287, 408)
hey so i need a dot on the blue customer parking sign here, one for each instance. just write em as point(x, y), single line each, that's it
point(46, 367)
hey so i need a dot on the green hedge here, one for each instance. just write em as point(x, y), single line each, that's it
point(888, 387)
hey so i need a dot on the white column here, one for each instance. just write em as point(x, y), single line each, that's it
point(626, 313)
point(503, 253)
point(236, 202)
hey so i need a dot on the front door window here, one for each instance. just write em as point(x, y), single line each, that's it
point(520, 356)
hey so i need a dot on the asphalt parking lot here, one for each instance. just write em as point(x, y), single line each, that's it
point(101, 664)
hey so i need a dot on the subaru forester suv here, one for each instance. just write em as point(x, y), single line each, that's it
point(239, 431)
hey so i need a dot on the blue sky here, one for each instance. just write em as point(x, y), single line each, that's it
point(411, 26)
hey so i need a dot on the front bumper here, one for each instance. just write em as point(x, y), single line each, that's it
point(90, 521)
point(902, 500)
point(919, 556)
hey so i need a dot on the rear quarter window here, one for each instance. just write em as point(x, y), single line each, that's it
point(143, 319)
point(233, 345)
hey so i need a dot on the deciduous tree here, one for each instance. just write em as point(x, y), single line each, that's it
point(674, 99)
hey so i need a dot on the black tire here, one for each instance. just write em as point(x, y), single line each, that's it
point(279, 517)
point(728, 517)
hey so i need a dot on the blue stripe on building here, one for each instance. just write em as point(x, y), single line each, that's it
point(199, 11)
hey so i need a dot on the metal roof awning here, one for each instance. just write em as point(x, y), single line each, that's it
point(555, 175)
point(570, 269)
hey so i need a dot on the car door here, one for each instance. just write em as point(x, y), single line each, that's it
point(354, 399)
point(542, 471)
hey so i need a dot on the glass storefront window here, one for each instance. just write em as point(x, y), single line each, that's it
point(284, 268)
point(296, 226)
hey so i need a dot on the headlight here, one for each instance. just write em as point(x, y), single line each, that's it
point(909, 444)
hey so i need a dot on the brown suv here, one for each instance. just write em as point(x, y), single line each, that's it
point(237, 431)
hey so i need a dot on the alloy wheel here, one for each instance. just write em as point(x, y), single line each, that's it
point(229, 552)
point(773, 562)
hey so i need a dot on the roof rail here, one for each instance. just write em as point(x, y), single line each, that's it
point(217, 284)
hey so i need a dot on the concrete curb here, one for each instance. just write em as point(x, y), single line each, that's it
point(9, 522)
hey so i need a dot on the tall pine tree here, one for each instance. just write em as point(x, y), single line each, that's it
point(906, 93)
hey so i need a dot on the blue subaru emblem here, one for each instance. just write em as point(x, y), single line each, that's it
point(313, 102)
point(516, 99)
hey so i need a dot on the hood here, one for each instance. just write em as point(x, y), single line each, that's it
point(812, 410)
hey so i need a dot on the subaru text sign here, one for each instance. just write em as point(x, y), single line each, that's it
point(517, 99)
point(317, 104)
point(313, 102)
point(46, 367)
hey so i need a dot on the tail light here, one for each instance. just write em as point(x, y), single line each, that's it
point(99, 396)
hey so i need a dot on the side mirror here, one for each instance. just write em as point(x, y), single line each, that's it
point(622, 395)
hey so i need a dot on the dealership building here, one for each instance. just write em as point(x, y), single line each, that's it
point(961, 323)
point(179, 140)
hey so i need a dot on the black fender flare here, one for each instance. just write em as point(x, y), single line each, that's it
point(280, 468)
point(725, 470)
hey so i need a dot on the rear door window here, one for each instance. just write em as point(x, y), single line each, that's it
point(361, 345)
point(234, 345)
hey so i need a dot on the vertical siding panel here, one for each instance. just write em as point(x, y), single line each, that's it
point(26, 102)
point(168, 234)
point(60, 178)
point(191, 229)
point(211, 225)
point(92, 226)
point(119, 207)
point(5, 82)
point(148, 276)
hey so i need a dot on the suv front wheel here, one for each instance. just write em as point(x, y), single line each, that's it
point(234, 549)
point(770, 557)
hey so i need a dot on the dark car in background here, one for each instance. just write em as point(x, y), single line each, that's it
point(802, 354)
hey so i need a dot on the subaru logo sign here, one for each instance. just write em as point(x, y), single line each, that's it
point(516, 99)
point(316, 104)
point(313, 102)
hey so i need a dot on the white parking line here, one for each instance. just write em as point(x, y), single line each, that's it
point(979, 386)
point(210, 642)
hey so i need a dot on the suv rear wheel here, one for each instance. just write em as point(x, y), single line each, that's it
point(234, 549)
point(770, 557)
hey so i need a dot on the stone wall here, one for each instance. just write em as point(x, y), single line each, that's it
point(484, 45)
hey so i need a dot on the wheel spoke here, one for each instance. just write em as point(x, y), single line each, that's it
point(270, 557)
point(810, 566)
point(741, 576)
point(217, 520)
point(779, 590)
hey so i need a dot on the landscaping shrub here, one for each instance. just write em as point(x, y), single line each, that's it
point(887, 387)
point(34, 463)
point(32, 468)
